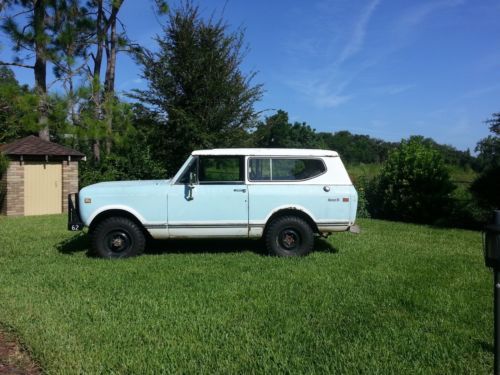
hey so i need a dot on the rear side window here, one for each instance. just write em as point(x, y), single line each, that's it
point(284, 169)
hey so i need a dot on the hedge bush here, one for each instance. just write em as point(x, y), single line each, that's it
point(414, 185)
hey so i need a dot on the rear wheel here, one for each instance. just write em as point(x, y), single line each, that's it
point(117, 237)
point(289, 236)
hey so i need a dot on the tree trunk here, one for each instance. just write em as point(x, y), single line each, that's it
point(109, 83)
point(96, 78)
point(41, 69)
point(96, 150)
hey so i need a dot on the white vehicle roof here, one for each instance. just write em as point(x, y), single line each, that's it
point(267, 152)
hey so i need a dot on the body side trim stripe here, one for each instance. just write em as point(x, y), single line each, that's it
point(155, 226)
point(178, 226)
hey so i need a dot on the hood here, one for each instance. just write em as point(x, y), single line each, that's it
point(127, 187)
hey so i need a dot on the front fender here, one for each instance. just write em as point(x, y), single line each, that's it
point(90, 218)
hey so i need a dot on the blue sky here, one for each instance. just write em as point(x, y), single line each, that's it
point(386, 68)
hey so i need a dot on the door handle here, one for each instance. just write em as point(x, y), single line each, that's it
point(240, 190)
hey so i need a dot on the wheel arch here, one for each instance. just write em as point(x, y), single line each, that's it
point(113, 213)
point(291, 211)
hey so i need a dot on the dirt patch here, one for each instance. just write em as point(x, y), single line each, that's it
point(13, 358)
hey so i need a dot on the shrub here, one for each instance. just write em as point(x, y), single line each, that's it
point(465, 211)
point(414, 185)
point(486, 188)
point(138, 164)
point(361, 183)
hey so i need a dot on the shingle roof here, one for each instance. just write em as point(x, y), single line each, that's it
point(32, 145)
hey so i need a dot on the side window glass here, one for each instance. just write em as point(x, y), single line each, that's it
point(220, 169)
point(259, 170)
point(287, 169)
point(284, 169)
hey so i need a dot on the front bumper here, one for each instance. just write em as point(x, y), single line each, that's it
point(74, 221)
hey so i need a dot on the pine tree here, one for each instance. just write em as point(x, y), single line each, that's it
point(32, 35)
point(196, 87)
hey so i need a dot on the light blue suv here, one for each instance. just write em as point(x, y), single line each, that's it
point(284, 196)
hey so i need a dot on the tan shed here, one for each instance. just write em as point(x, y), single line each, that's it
point(40, 176)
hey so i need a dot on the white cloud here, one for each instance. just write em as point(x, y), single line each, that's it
point(326, 100)
point(324, 84)
point(417, 14)
point(131, 83)
point(357, 37)
point(321, 93)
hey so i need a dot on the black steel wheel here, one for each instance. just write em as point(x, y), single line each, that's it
point(289, 236)
point(117, 237)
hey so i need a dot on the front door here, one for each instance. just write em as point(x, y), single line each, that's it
point(42, 188)
point(210, 199)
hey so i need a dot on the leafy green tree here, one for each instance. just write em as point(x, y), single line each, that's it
point(414, 185)
point(195, 86)
point(488, 150)
point(356, 148)
point(18, 107)
point(73, 36)
point(88, 33)
point(128, 160)
point(32, 36)
point(276, 131)
point(70, 46)
point(494, 123)
point(450, 154)
point(133, 163)
point(486, 187)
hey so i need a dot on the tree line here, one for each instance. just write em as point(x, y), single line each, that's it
point(196, 97)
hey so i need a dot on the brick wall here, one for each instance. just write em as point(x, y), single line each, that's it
point(13, 204)
point(69, 181)
point(14, 199)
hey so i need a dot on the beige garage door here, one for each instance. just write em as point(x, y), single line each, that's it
point(42, 189)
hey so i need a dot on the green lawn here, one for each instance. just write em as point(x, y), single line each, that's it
point(397, 298)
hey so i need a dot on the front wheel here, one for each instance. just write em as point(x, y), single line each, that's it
point(289, 236)
point(117, 237)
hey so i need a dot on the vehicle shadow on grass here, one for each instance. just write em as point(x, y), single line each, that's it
point(199, 246)
point(81, 243)
point(75, 244)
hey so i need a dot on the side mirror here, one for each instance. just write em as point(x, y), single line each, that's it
point(192, 178)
